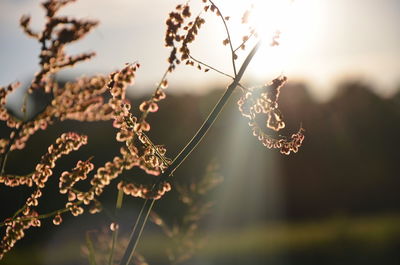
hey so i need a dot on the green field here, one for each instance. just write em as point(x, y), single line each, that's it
point(340, 240)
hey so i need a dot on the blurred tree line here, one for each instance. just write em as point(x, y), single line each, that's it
point(348, 165)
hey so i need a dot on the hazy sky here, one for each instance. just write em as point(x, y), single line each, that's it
point(326, 41)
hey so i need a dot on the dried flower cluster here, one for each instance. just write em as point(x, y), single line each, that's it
point(179, 34)
point(139, 150)
point(14, 232)
point(63, 146)
point(14, 180)
point(80, 101)
point(144, 191)
point(4, 115)
point(18, 223)
point(69, 179)
point(182, 31)
point(58, 31)
point(264, 101)
point(83, 100)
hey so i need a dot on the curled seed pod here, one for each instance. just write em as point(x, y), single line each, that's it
point(164, 84)
point(57, 219)
point(36, 222)
point(71, 196)
point(114, 226)
point(76, 210)
point(26, 211)
point(159, 95)
point(143, 126)
point(144, 106)
point(153, 107)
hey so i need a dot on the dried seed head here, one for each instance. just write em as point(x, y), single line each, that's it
point(164, 84)
point(264, 101)
point(57, 219)
point(114, 226)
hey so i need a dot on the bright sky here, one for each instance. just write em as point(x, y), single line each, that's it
point(324, 42)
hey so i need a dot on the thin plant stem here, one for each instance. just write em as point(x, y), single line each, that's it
point(25, 106)
point(210, 67)
point(17, 176)
point(92, 254)
point(114, 240)
point(229, 37)
point(118, 206)
point(244, 42)
point(137, 231)
point(43, 216)
point(216, 70)
point(19, 211)
point(148, 204)
point(120, 199)
point(3, 163)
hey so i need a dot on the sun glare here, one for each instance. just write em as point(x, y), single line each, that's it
point(297, 21)
point(269, 16)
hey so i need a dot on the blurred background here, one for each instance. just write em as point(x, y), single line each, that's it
point(334, 202)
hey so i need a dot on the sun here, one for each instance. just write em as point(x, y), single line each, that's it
point(298, 22)
point(269, 16)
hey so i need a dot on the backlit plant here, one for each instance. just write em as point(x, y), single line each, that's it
point(103, 98)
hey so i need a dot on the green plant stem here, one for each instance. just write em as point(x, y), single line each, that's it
point(120, 199)
point(19, 211)
point(3, 163)
point(118, 206)
point(92, 255)
point(148, 204)
point(114, 240)
point(137, 231)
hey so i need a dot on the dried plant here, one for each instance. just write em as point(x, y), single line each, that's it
point(264, 101)
point(104, 98)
